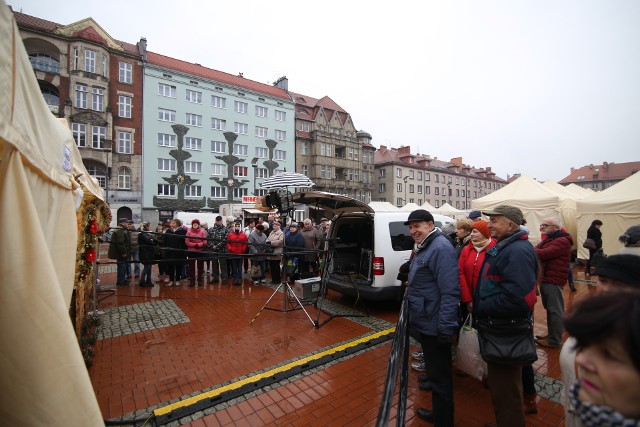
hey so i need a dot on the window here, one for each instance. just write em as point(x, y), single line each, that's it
point(398, 187)
point(436, 191)
point(280, 155)
point(218, 101)
point(124, 142)
point(427, 176)
point(125, 73)
point(304, 126)
point(365, 157)
point(304, 148)
point(399, 172)
point(194, 120)
point(98, 99)
point(399, 201)
point(240, 128)
point(281, 116)
point(238, 193)
point(166, 140)
point(382, 173)
point(240, 171)
point(326, 172)
point(44, 62)
point(262, 173)
point(192, 167)
point(261, 111)
point(382, 188)
point(192, 191)
point(76, 58)
point(218, 192)
point(218, 124)
point(240, 150)
point(98, 135)
point(218, 146)
point(355, 154)
point(281, 135)
point(167, 165)
point(437, 178)
point(166, 115)
point(411, 188)
point(325, 149)
point(124, 106)
point(218, 169)
point(419, 176)
point(81, 96)
point(262, 152)
point(166, 190)
point(104, 65)
point(194, 96)
point(98, 174)
point(124, 178)
point(89, 61)
point(166, 90)
point(240, 107)
point(411, 176)
point(79, 131)
point(191, 143)
point(261, 132)
point(427, 189)
point(420, 189)
point(305, 170)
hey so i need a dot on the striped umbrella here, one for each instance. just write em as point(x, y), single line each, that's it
point(287, 179)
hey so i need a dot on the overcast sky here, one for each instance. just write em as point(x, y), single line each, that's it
point(530, 87)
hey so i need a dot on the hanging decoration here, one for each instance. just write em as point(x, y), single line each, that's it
point(90, 228)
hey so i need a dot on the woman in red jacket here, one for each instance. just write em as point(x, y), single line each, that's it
point(471, 259)
point(196, 240)
point(236, 245)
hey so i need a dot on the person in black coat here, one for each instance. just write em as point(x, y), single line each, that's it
point(174, 240)
point(293, 243)
point(594, 233)
point(147, 251)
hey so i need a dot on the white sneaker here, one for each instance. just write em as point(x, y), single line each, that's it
point(255, 282)
point(169, 284)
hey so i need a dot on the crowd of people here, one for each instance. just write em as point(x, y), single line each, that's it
point(491, 271)
point(220, 253)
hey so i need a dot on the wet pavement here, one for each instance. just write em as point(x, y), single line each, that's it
point(189, 356)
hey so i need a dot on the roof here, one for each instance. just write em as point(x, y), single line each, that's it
point(307, 108)
point(604, 172)
point(215, 75)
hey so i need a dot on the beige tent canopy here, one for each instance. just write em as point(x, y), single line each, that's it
point(43, 378)
point(450, 211)
point(428, 207)
point(618, 207)
point(383, 207)
point(410, 207)
point(535, 201)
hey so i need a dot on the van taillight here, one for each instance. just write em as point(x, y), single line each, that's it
point(378, 265)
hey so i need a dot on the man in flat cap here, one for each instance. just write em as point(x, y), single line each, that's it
point(506, 290)
point(434, 295)
point(119, 249)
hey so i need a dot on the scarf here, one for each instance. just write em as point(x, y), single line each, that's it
point(417, 247)
point(593, 415)
point(480, 246)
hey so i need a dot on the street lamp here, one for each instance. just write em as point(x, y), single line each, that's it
point(254, 164)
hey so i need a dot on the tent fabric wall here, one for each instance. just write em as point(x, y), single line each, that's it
point(567, 200)
point(618, 207)
point(535, 201)
point(43, 378)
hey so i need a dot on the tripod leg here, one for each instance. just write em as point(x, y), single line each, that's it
point(288, 289)
point(265, 304)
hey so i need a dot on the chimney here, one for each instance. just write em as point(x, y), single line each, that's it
point(457, 161)
point(142, 48)
point(605, 165)
point(404, 150)
point(282, 83)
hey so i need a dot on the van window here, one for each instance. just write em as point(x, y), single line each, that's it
point(401, 239)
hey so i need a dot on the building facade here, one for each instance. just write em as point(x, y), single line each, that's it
point(210, 137)
point(95, 82)
point(402, 177)
point(329, 150)
point(600, 177)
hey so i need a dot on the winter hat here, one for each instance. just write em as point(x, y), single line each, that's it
point(448, 228)
point(474, 215)
point(623, 267)
point(483, 227)
point(419, 215)
point(195, 221)
point(631, 237)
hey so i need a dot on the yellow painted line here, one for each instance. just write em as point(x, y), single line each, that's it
point(236, 385)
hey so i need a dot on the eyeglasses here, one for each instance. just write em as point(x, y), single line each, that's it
point(546, 225)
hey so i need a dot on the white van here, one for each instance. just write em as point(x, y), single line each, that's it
point(365, 247)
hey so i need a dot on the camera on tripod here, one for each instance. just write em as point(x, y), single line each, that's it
point(279, 199)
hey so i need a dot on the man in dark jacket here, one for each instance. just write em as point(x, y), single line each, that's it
point(217, 245)
point(174, 240)
point(554, 253)
point(434, 295)
point(506, 290)
point(119, 249)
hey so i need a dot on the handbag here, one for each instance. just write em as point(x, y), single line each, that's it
point(590, 244)
point(468, 357)
point(256, 272)
point(507, 341)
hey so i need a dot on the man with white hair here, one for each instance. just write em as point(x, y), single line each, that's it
point(312, 240)
point(554, 253)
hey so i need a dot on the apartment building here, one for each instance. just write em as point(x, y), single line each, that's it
point(95, 82)
point(329, 150)
point(600, 177)
point(210, 137)
point(402, 177)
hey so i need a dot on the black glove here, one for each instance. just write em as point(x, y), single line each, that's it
point(403, 272)
point(444, 339)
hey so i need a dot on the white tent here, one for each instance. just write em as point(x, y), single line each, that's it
point(581, 192)
point(383, 207)
point(618, 207)
point(428, 207)
point(567, 202)
point(43, 378)
point(410, 207)
point(535, 201)
point(450, 211)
